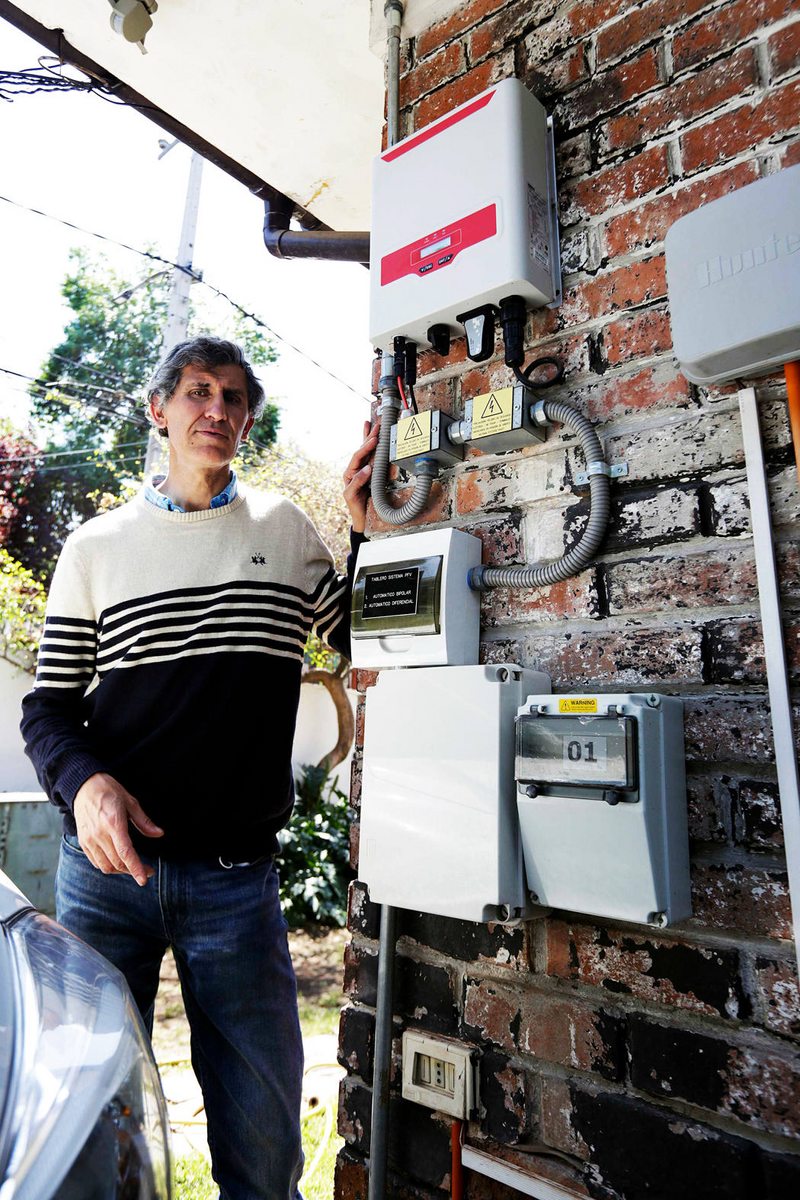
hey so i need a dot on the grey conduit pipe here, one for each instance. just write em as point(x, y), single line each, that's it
point(393, 11)
point(426, 470)
point(546, 411)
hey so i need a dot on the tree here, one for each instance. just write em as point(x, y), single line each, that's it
point(89, 400)
point(316, 488)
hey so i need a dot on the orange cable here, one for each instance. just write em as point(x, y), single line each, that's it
point(792, 372)
point(456, 1169)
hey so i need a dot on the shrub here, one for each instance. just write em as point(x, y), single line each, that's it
point(314, 858)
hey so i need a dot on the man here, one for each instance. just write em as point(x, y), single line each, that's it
point(161, 725)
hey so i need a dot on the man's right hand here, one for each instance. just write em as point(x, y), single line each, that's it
point(102, 810)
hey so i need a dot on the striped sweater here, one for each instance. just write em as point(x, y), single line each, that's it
point(171, 660)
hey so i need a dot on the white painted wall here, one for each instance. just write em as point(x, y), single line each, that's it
point(317, 731)
point(16, 772)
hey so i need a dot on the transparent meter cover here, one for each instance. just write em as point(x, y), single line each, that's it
point(585, 751)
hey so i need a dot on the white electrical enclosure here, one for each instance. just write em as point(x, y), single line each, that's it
point(439, 829)
point(601, 792)
point(411, 603)
point(463, 214)
point(733, 272)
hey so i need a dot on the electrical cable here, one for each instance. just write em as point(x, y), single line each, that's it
point(524, 376)
point(197, 278)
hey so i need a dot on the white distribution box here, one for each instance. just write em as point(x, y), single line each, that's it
point(463, 214)
point(439, 830)
point(733, 271)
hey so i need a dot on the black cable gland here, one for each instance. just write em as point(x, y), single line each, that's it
point(400, 357)
point(411, 363)
point(513, 312)
point(439, 338)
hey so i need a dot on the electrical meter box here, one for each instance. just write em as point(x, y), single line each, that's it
point(601, 793)
point(733, 273)
point(439, 829)
point(412, 605)
point(464, 214)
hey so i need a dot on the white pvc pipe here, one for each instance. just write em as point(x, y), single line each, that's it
point(515, 1177)
point(777, 679)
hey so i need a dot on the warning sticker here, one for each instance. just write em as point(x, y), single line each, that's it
point(414, 435)
point(493, 412)
point(578, 704)
point(537, 228)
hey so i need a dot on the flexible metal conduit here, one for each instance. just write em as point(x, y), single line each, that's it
point(580, 555)
point(426, 470)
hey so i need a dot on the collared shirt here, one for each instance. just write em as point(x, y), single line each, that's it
point(222, 498)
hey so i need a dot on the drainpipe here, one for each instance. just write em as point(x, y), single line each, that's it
point(319, 242)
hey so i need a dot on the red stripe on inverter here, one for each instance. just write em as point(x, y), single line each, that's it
point(432, 130)
point(438, 249)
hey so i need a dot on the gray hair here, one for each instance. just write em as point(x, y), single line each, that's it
point(207, 352)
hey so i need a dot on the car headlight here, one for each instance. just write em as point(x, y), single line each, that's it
point(84, 1117)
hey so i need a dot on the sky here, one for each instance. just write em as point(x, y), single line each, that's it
point(96, 164)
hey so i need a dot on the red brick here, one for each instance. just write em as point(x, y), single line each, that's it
point(429, 361)
point(736, 651)
point(351, 1178)
point(649, 967)
point(744, 128)
point(757, 815)
point(623, 288)
point(631, 658)
point(499, 30)
point(718, 729)
point(644, 24)
point(587, 15)
point(500, 653)
point(737, 897)
point(638, 176)
point(674, 583)
point(457, 23)
point(709, 802)
point(609, 90)
point(784, 51)
point(616, 395)
point(431, 72)
point(458, 91)
point(555, 1119)
point(571, 598)
point(648, 224)
point(361, 679)
point(723, 29)
point(552, 74)
point(501, 540)
point(573, 157)
point(637, 336)
point(777, 996)
point(438, 509)
point(548, 1027)
point(439, 393)
point(683, 101)
point(790, 154)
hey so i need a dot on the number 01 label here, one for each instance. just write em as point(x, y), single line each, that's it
point(588, 754)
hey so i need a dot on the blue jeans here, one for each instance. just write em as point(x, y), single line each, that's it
point(228, 935)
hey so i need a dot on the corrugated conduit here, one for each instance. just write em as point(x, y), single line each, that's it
point(579, 556)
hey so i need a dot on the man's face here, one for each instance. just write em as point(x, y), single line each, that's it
point(207, 415)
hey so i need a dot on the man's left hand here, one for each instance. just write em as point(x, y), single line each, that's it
point(357, 475)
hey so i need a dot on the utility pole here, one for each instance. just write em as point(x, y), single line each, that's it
point(178, 307)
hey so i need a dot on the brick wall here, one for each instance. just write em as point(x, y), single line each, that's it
point(621, 1062)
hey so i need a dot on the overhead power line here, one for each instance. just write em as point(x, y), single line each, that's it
point(198, 278)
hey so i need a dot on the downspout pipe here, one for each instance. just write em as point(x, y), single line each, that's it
point(529, 576)
point(320, 243)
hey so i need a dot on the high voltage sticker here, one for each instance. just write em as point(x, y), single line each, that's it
point(414, 435)
point(493, 412)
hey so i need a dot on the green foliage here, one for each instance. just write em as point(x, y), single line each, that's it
point(22, 604)
point(89, 400)
point(315, 852)
point(193, 1179)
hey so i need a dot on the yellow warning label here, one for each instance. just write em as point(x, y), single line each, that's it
point(414, 435)
point(578, 704)
point(493, 412)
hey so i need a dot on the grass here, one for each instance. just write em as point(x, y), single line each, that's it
point(193, 1172)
